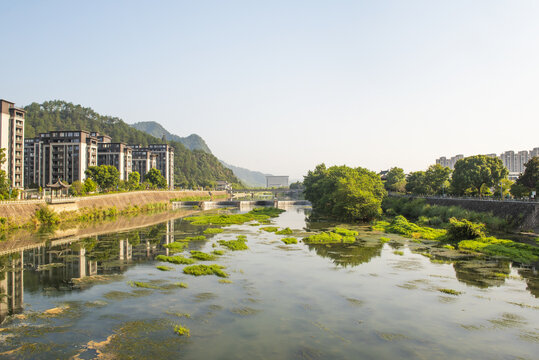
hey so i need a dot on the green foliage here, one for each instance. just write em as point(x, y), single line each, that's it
point(384, 240)
point(285, 231)
point(235, 245)
point(194, 238)
point(270, 229)
point(289, 240)
point(45, 216)
point(464, 230)
point(344, 193)
point(433, 181)
point(416, 183)
point(200, 270)
point(210, 231)
point(89, 186)
point(492, 246)
point(530, 178)
point(182, 331)
point(258, 214)
point(77, 188)
point(218, 252)
point(107, 177)
point(133, 181)
point(199, 255)
point(164, 268)
point(395, 180)
point(474, 172)
point(436, 215)
point(192, 169)
point(400, 225)
point(520, 191)
point(175, 259)
point(176, 246)
point(155, 178)
point(337, 235)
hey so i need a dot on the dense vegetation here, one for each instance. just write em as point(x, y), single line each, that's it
point(192, 142)
point(192, 168)
point(344, 193)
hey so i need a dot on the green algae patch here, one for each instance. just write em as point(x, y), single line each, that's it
point(199, 255)
point(176, 246)
point(398, 252)
point(182, 331)
point(218, 252)
point(400, 225)
point(235, 245)
point(285, 231)
point(201, 270)
point(449, 247)
point(141, 284)
point(164, 268)
point(211, 231)
point(345, 232)
point(337, 235)
point(492, 246)
point(179, 260)
point(183, 285)
point(244, 311)
point(450, 291)
point(262, 215)
point(194, 238)
point(225, 281)
point(273, 229)
point(384, 240)
point(290, 240)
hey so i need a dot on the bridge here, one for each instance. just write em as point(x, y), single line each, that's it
point(205, 205)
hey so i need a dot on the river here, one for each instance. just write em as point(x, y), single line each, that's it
point(368, 300)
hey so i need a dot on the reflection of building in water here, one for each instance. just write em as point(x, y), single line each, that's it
point(169, 236)
point(126, 250)
point(11, 284)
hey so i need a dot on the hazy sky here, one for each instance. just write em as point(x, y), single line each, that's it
point(280, 86)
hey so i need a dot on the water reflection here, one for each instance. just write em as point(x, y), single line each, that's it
point(347, 254)
point(11, 284)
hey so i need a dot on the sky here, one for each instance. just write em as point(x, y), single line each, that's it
point(281, 86)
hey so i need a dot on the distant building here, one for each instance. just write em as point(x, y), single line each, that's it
point(513, 161)
point(159, 156)
point(12, 140)
point(119, 155)
point(59, 155)
point(223, 185)
point(276, 181)
point(143, 161)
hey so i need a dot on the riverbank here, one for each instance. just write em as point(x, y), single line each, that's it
point(21, 213)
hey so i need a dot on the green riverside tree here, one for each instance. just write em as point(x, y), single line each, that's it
point(530, 176)
point(472, 173)
point(344, 193)
point(155, 178)
point(395, 180)
point(107, 177)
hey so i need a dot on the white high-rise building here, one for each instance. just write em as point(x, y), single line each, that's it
point(12, 140)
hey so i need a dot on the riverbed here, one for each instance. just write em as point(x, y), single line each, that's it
point(367, 300)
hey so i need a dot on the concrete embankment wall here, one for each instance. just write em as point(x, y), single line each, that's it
point(524, 214)
point(22, 212)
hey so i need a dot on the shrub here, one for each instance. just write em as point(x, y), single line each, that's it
point(46, 216)
point(464, 230)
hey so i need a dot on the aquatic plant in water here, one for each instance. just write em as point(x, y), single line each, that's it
point(164, 268)
point(270, 229)
point(337, 235)
point(182, 331)
point(175, 259)
point(383, 240)
point(450, 291)
point(218, 252)
point(194, 238)
point(199, 255)
point(492, 246)
point(398, 252)
point(176, 246)
point(261, 215)
point(200, 270)
point(290, 240)
point(235, 245)
point(400, 225)
point(213, 231)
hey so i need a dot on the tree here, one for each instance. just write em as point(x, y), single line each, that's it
point(4, 181)
point(471, 173)
point(89, 186)
point(107, 177)
point(505, 186)
point(416, 183)
point(437, 179)
point(344, 193)
point(395, 179)
point(133, 180)
point(155, 178)
point(77, 188)
point(530, 177)
point(520, 191)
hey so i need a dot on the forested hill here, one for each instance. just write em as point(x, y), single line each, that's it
point(192, 142)
point(191, 168)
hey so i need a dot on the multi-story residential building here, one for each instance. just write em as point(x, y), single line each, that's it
point(450, 163)
point(118, 155)
point(31, 162)
point(165, 161)
point(143, 161)
point(60, 155)
point(513, 161)
point(12, 140)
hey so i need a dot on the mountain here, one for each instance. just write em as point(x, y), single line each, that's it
point(195, 142)
point(191, 168)
point(192, 142)
point(248, 177)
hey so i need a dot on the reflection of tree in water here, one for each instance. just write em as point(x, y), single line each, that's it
point(482, 273)
point(347, 254)
point(531, 276)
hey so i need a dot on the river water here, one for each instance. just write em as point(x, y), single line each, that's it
point(77, 299)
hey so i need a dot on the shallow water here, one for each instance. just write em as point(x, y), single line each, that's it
point(352, 301)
